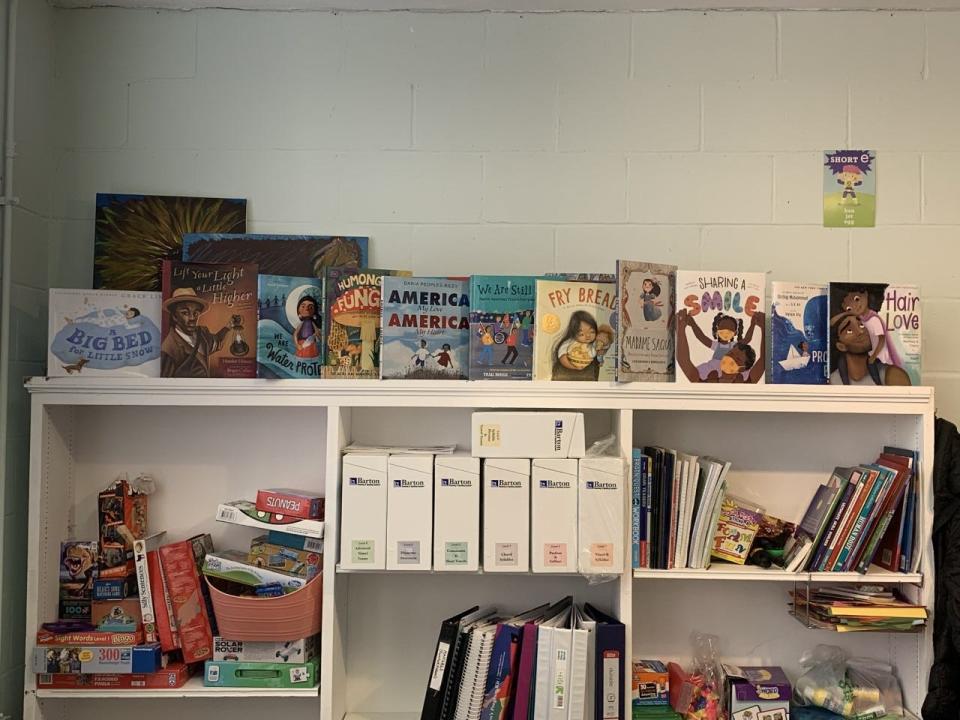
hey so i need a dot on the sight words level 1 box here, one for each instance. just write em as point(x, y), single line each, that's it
point(541, 434)
point(553, 515)
point(409, 512)
point(456, 512)
point(506, 515)
point(363, 512)
point(600, 487)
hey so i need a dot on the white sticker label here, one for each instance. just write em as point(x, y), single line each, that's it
point(299, 674)
point(611, 685)
point(560, 680)
point(439, 665)
point(213, 673)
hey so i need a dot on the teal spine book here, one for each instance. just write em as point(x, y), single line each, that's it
point(861, 520)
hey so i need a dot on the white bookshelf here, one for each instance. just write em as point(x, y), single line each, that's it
point(208, 441)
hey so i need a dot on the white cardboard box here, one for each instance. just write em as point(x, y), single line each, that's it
point(456, 513)
point(542, 434)
point(600, 511)
point(410, 512)
point(363, 512)
point(553, 515)
point(506, 515)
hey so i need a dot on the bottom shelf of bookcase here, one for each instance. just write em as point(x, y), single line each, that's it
point(193, 688)
point(726, 571)
point(382, 716)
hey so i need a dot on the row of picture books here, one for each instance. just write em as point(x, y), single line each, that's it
point(648, 321)
point(230, 320)
point(553, 662)
point(683, 517)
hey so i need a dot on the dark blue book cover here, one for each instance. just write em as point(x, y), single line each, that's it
point(501, 327)
point(425, 328)
point(504, 658)
point(798, 334)
point(289, 329)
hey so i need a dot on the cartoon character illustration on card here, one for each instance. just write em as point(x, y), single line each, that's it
point(856, 303)
point(444, 358)
point(734, 359)
point(307, 333)
point(575, 354)
point(511, 342)
point(420, 356)
point(850, 177)
point(854, 364)
point(650, 298)
point(526, 328)
point(485, 333)
point(80, 562)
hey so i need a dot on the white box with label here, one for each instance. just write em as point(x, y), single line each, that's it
point(409, 512)
point(544, 434)
point(456, 512)
point(506, 515)
point(600, 510)
point(363, 512)
point(553, 515)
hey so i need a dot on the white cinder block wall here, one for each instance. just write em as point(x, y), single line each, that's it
point(476, 142)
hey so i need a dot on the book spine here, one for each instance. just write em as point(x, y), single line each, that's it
point(826, 543)
point(846, 525)
point(674, 515)
point(906, 553)
point(891, 482)
point(166, 623)
point(143, 591)
point(636, 516)
point(860, 523)
point(180, 570)
point(646, 511)
point(881, 528)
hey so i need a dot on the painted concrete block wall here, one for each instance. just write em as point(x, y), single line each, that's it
point(27, 315)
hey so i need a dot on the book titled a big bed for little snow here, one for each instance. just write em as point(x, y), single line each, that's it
point(425, 328)
point(720, 327)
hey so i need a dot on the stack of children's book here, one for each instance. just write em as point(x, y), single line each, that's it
point(857, 609)
point(553, 662)
point(863, 515)
point(676, 504)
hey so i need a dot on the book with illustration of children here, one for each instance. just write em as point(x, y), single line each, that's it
point(501, 327)
point(720, 327)
point(798, 333)
point(425, 328)
point(289, 329)
point(575, 338)
point(874, 334)
point(351, 320)
point(645, 331)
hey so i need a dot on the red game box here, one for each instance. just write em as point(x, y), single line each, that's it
point(166, 624)
point(174, 676)
point(189, 609)
point(92, 638)
point(292, 503)
point(122, 514)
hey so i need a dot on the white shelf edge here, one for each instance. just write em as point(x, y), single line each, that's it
point(194, 688)
point(752, 573)
point(508, 393)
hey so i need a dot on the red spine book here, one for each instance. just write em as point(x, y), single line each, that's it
point(163, 608)
point(851, 518)
point(189, 609)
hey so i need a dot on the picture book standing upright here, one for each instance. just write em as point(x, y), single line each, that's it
point(289, 331)
point(874, 334)
point(293, 255)
point(575, 337)
point(720, 327)
point(501, 327)
point(352, 320)
point(426, 328)
point(104, 332)
point(209, 320)
point(645, 331)
point(798, 333)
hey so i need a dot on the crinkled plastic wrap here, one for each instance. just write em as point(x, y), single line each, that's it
point(858, 688)
point(602, 482)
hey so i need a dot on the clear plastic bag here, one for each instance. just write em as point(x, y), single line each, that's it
point(858, 688)
point(708, 701)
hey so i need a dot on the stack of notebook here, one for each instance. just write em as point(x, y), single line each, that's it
point(554, 662)
point(857, 609)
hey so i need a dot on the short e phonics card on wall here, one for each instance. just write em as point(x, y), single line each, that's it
point(849, 188)
point(720, 327)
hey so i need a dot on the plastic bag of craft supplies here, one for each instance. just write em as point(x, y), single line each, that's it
point(860, 688)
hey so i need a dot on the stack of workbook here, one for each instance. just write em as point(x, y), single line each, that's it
point(857, 609)
point(554, 662)
point(676, 505)
point(863, 515)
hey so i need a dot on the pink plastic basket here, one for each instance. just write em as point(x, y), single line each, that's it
point(287, 617)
